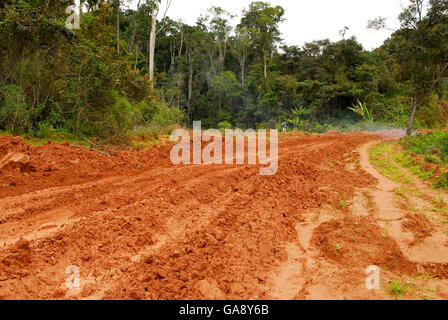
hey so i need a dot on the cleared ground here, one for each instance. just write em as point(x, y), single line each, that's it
point(140, 228)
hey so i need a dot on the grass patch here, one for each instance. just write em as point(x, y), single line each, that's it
point(381, 157)
point(397, 289)
point(442, 182)
point(417, 166)
point(427, 157)
point(46, 134)
point(424, 156)
point(434, 145)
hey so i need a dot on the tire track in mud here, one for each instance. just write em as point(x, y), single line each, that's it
point(193, 231)
point(39, 203)
point(306, 275)
point(429, 255)
point(152, 191)
point(432, 250)
point(36, 206)
point(204, 229)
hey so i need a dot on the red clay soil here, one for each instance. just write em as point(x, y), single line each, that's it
point(420, 225)
point(358, 241)
point(54, 165)
point(139, 227)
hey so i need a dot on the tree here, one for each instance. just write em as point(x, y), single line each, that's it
point(241, 45)
point(422, 50)
point(419, 47)
point(218, 23)
point(226, 86)
point(261, 21)
point(134, 26)
point(154, 9)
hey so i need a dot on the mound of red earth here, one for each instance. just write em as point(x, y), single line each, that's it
point(25, 168)
point(358, 241)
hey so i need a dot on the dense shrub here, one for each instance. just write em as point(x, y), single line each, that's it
point(14, 113)
point(432, 144)
point(442, 182)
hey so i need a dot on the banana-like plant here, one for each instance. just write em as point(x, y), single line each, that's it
point(362, 110)
point(297, 115)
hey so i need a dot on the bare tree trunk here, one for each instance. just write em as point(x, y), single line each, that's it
point(190, 81)
point(419, 8)
point(265, 69)
point(181, 38)
point(172, 55)
point(136, 55)
point(80, 10)
point(412, 117)
point(221, 56)
point(133, 34)
point(134, 28)
point(152, 48)
point(212, 64)
point(152, 37)
point(265, 65)
point(118, 28)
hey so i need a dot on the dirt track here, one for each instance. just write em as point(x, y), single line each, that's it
point(140, 228)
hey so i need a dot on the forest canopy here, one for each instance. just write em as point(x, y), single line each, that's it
point(125, 69)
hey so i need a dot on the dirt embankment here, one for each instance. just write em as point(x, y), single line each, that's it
point(25, 168)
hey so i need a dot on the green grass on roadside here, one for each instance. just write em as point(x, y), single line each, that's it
point(381, 157)
point(389, 156)
point(141, 139)
point(427, 150)
point(415, 166)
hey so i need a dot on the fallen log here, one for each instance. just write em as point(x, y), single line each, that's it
point(92, 149)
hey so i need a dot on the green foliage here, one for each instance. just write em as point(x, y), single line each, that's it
point(297, 117)
point(434, 147)
point(121, 114)
point(158, 120)
point(362, 110)
point(224, 125)
point(76, 81)
point(165, 116)
point(397, 288)
point(433, 144)
point(47, 132)
point(442, 182)
point(14, 113)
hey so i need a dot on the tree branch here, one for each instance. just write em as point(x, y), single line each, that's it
point(439, 77)
point(168, 4)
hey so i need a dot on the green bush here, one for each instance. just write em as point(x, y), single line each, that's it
point(434, 147)
point(14, 114)
point(224, 125)
point(156, 120)
point(46, 131)
point(432, 144)
point(442, 183)
point(165, 116)
point(143, 112)
point(120, 117)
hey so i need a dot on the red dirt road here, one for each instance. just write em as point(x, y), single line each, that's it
point(140, 228)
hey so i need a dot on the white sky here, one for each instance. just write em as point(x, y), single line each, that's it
point(308, 20)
